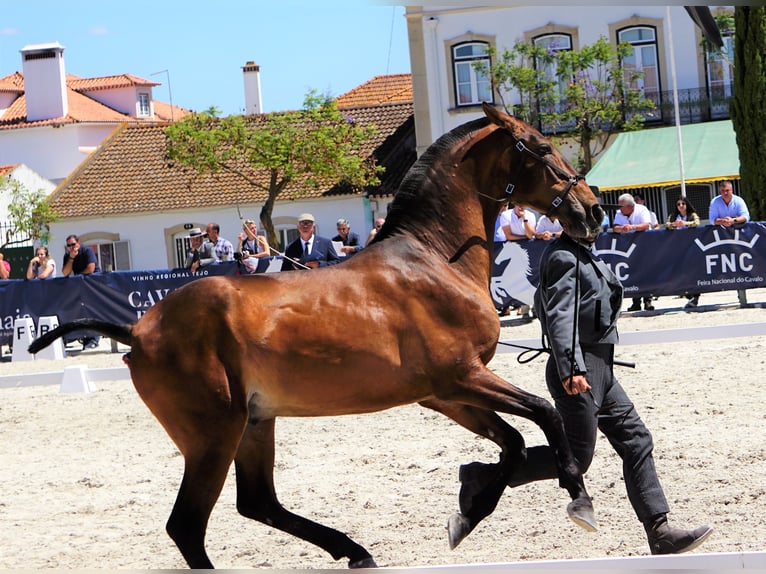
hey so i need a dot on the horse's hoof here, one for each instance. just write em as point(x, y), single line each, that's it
point(458, 527)
point(363, 563)
point(580, 510)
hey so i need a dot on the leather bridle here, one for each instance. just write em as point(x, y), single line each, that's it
point(571, 179)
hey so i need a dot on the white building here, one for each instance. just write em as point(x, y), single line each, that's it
point(446, 41)
point(51, 120)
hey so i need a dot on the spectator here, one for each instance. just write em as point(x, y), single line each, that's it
point(42, 265)
point(224, 250)
point(503, 218)
point(80, 260)
point(654, 223)
point(5, 268)
point(685, 216)
point(251, 246)
point(202, 252)
point(579, 375)
point(728, 209)
point(309, 250)
point(374, 231)
point(633, 217)
point(547, 229)
point(348, 238)
point(518, 224)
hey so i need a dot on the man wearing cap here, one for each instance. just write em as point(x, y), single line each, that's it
point(309, 250)
point(202, 251)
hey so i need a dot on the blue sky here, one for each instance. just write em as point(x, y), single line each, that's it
point(330, 46)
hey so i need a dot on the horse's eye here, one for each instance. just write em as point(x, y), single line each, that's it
point(545, 149)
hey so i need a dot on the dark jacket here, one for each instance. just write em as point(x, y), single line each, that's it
point(322, 251)
point(598, 304)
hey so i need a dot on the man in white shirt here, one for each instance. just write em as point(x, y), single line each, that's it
point(518, 223)
point(633, 217)
point(728, 209)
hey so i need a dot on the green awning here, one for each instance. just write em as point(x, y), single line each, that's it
point(649, 157)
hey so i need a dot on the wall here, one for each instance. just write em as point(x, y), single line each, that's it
point(53, 152)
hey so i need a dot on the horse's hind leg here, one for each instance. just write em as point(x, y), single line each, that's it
point(257, 498)
point(482, 484)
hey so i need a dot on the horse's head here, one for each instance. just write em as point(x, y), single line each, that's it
point(541, 178)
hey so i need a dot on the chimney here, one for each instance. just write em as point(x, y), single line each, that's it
point(44, 81)
point(252, 75)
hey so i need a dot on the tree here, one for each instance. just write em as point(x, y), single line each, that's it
point(748, 108)
point(29, 213)
point(594, 94)
point(316, 146)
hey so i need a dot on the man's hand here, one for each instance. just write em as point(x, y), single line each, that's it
point(575, 385)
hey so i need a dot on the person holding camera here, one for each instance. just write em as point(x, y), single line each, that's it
point(251, 247)
point(202, 252)
point(42, 265)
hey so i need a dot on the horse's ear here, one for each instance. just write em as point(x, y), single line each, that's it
point(493, 114)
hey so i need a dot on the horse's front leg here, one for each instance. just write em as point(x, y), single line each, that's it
point(483, 389)
point(257, 498)
point(482, 484)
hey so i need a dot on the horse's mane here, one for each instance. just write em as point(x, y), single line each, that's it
point(416, 203)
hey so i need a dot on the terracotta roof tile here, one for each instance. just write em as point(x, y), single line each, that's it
point(385, 89)
point(81, 107)
point(129, 173)
point(107, 82)
point(12, 83)
point(6, 169)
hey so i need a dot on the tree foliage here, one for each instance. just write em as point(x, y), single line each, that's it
point(316, 146)
point(748, 108)
point(29, 214)
point(591, 95)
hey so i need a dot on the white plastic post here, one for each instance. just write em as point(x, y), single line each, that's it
point(55, 350)
point(23, 335)
point(75, 380)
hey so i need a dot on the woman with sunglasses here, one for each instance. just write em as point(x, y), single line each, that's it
point(684, 216)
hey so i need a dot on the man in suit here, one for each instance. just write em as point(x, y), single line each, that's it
point(309, 250)
point(578, 301)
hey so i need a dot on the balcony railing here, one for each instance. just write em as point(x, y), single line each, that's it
point(695, 105)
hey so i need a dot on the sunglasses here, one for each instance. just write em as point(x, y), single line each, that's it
point(71, 244)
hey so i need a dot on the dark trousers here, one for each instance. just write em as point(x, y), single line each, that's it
point(606, 407)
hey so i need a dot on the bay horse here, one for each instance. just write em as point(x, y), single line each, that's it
point(218, 360)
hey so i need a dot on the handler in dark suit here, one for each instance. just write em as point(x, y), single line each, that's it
point(578, 301)
point(309, 250)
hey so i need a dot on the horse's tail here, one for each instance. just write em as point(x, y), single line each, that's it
point(120, 333)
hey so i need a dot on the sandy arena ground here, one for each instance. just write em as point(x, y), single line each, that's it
point(89, 479)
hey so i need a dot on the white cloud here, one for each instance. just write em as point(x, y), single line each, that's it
point(9, 31)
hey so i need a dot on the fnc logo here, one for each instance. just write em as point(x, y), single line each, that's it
point(622, 269)
point(727, 262)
